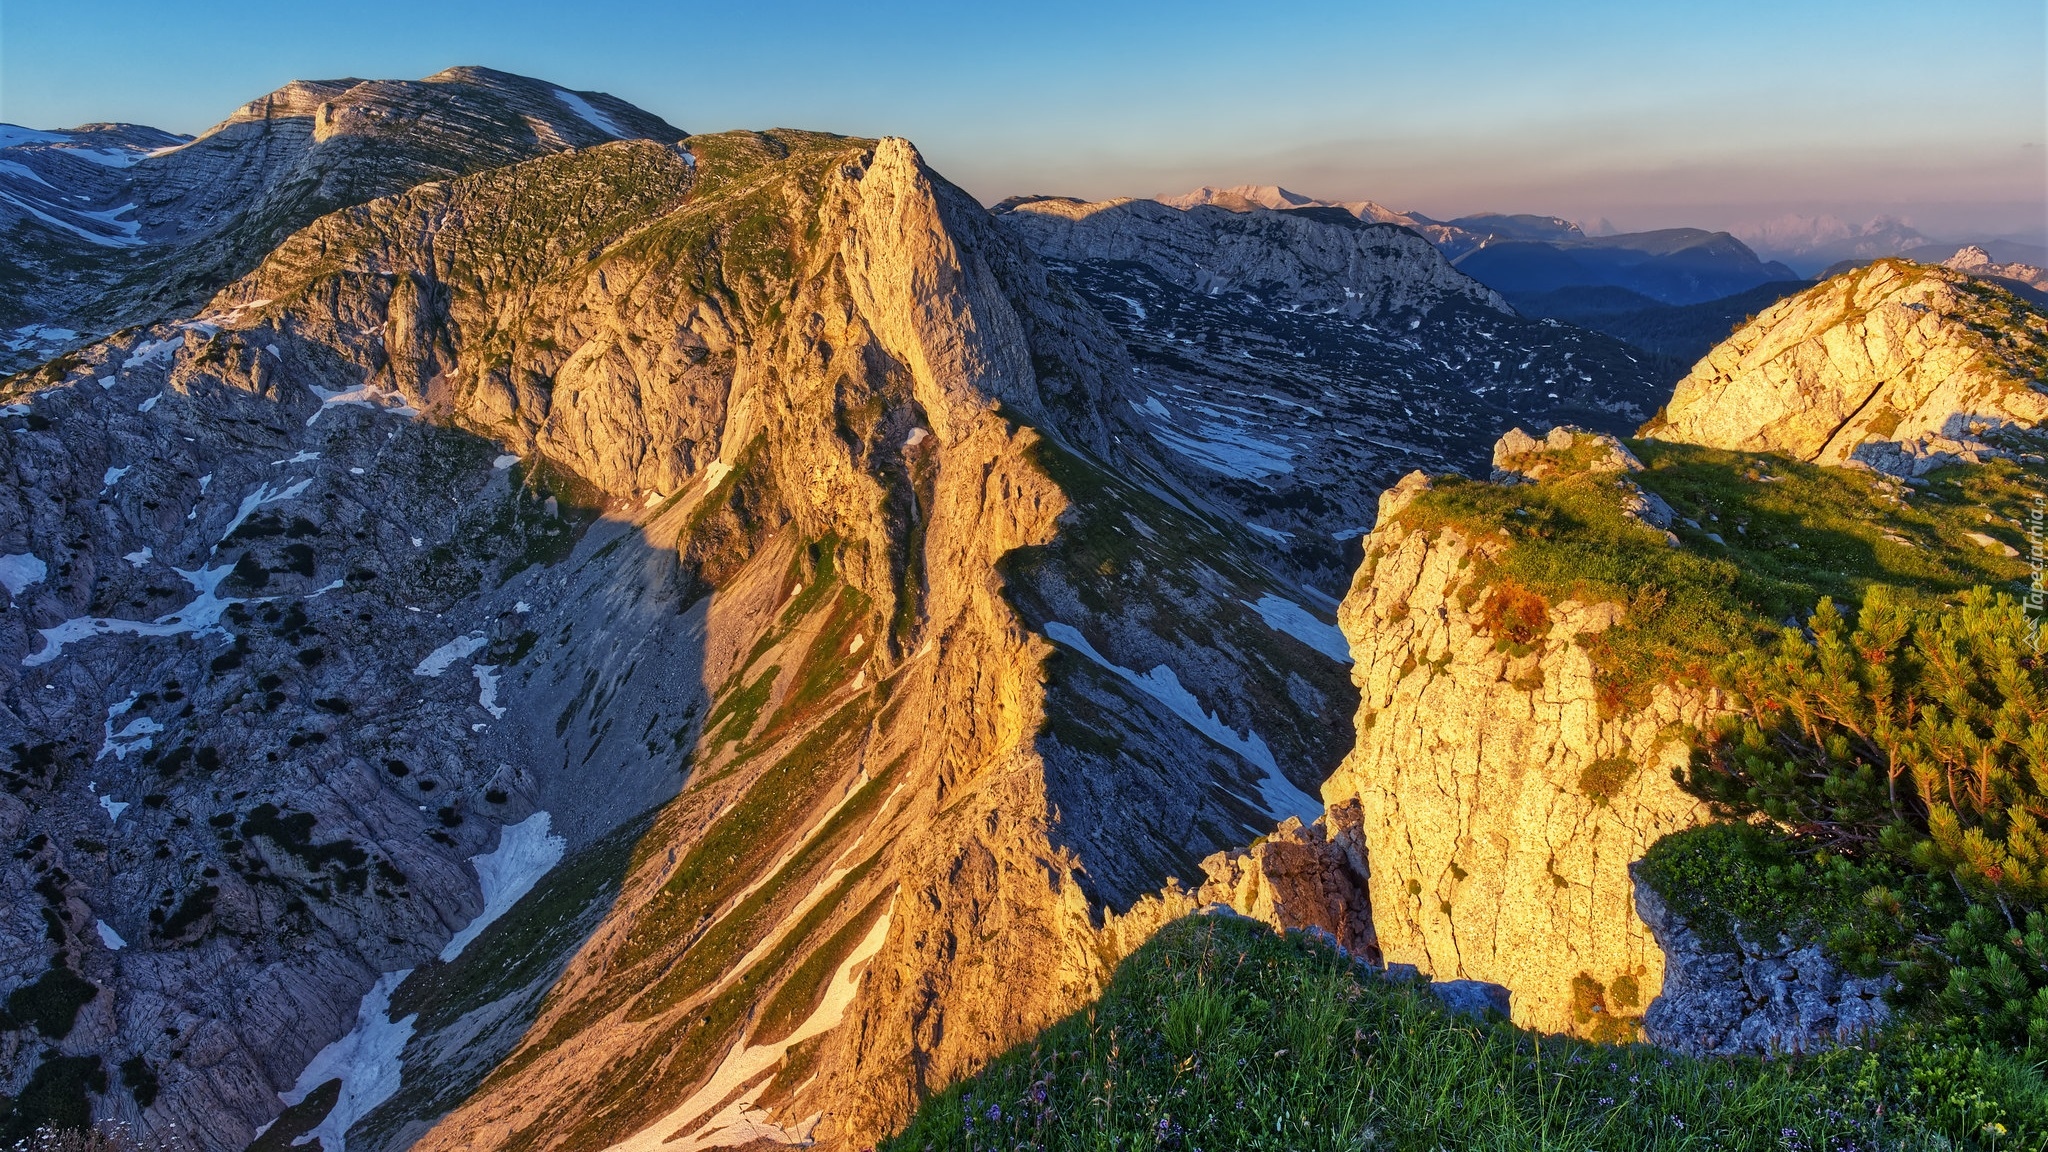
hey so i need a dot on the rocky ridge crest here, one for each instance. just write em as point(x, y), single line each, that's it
point(1898, 366)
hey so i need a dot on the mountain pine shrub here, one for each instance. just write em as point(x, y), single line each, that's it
point(1906, 755)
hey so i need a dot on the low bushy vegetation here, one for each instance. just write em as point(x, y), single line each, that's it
point(1897, 769)
point(1219, 1035)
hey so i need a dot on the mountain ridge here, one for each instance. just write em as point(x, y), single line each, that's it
point(640, 645)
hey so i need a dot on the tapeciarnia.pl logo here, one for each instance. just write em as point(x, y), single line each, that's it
point(2037, 560)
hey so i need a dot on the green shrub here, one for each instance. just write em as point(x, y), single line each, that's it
point(1906, 759)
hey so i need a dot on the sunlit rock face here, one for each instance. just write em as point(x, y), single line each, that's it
point(1896, 365)
point(599, 648)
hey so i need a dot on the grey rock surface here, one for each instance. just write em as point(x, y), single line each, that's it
point(1756, 998)
point(1291, 365)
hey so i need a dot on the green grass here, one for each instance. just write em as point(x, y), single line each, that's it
point(743, 839)
point(1790, 533)
point(1220, 1035)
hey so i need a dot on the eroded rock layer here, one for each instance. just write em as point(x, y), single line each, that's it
point(715, 545)
point(1502, 798)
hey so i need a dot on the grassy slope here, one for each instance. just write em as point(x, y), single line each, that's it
point(1789, 533)
point(1220, 1035)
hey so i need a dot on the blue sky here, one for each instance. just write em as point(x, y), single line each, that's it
point(1647, 113)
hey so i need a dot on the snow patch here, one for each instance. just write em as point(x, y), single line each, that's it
point(139, 558)
point(150, 403)
point(109, 937)
point(487, 689)
point(1227, 450)
point(591, 116)
point(718, 471)
point(1282, 798)
point(504, 462)
point(113, 476)
point(439, 660)
point(740, 1122)
point(366, 1061)
point(1273, 534)
point(20, 570)
point(301, 457)
point(127, 239)
point(13, 134)
point(199, 618)
point(114, 808)
point(151, 352)
point(1284, 615)
point(264, 494)
point(362, 396)
point(135, 737)
point(917, 436)
point(524, 854)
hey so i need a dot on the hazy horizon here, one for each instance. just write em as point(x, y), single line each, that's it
point(1719, 118)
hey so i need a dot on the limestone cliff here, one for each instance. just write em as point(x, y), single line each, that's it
point(759, 492)
point(1896, 365)
point(1502, 799)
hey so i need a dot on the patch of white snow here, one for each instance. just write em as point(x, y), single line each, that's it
point(439, 660)
point(591, 116)
point(264, 494)
point(524, 854)
point(487, 689)
point(200, 617)
point(366, 1061)
point(109, 937)
point(1282, 798)
point(739, 1122)
point(1284, 615)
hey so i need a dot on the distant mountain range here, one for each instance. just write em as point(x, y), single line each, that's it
point(1526, 254)
point(1815, 243)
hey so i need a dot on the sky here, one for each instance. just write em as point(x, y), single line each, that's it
point(1646, 113)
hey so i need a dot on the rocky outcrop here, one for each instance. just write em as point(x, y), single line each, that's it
point(1301, 878)
point(1325, 263)
point(1501, 802)
point(1754, 998)
point(1895, 365)
point(1519, 458)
